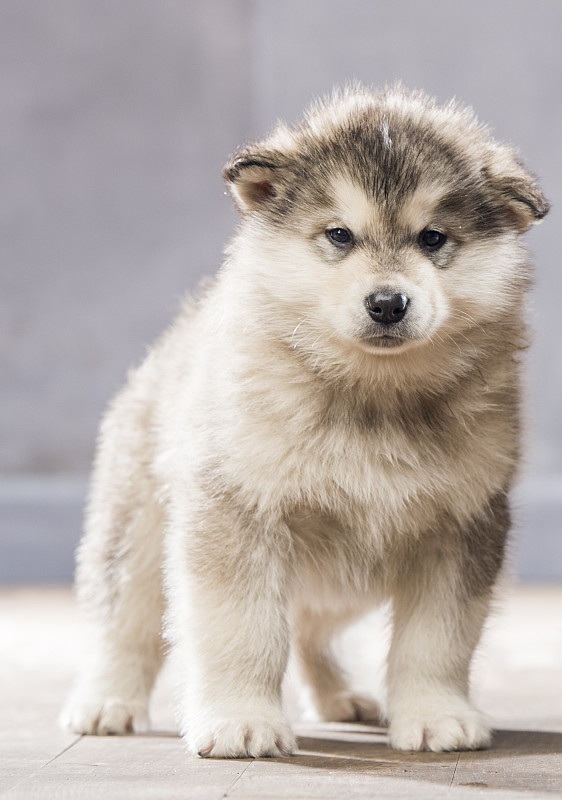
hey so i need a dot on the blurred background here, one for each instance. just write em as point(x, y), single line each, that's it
point(116, 117)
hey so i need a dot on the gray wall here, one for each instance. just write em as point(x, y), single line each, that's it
point(116, 118)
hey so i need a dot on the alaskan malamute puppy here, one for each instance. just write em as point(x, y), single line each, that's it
point(332, 423)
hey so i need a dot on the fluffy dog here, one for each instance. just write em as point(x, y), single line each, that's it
point(332, 423)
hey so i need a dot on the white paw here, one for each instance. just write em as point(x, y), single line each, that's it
point(254, 737)
point(458, 728)
point(104, 716)
point(349, 707)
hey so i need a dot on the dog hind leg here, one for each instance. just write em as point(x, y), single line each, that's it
point(119, 582)
point(327, 682)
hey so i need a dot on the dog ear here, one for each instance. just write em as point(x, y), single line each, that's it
point(256, 177)
point(521, 195)
point(252, 180)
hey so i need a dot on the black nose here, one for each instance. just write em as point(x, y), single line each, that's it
point(387, 308)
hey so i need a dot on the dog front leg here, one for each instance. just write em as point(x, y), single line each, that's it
point(228, 621)
point(435, 633)
point(440, 604)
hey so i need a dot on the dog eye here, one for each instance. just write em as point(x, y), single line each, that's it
point(432, 240)
point(341, 237)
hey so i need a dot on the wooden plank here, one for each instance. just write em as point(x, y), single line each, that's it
point(24, 753)
point(331, 764)
point(152, 767)
point(348, 765)
point(338, 761)
point(518, 761)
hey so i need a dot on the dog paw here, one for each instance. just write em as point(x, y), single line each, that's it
point(254, 737)
point(349, 707)
point(104, 717)
point(458, 729)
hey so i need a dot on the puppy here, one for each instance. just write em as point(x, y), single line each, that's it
point(334, 422)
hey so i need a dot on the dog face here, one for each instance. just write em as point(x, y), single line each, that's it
point(384, 222)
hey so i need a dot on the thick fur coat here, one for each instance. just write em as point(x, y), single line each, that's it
point(334, 422)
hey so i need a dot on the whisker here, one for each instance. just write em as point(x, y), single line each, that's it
point(458, 314)
point(436, 336)
point(448, 335)
point(298, 326)
point(468, 340)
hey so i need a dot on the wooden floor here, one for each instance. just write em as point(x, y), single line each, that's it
point(517, 680)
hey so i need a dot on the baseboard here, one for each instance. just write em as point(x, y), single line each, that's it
point(40, 526)
point(41, 521)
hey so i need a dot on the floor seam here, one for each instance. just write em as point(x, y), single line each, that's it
point(455, 770)
point(231, 787)
point(63, 751)
point(36, 772)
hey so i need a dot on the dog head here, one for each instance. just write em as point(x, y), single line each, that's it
point(384, 222)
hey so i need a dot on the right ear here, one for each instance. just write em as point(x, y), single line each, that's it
point(255, 178)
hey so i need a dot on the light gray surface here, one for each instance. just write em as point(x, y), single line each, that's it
point(516, 680)
point(115, 120)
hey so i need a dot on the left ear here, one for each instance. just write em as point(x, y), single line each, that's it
point(522, 197)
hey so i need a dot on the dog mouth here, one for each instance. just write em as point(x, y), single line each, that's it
point(386, 340)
